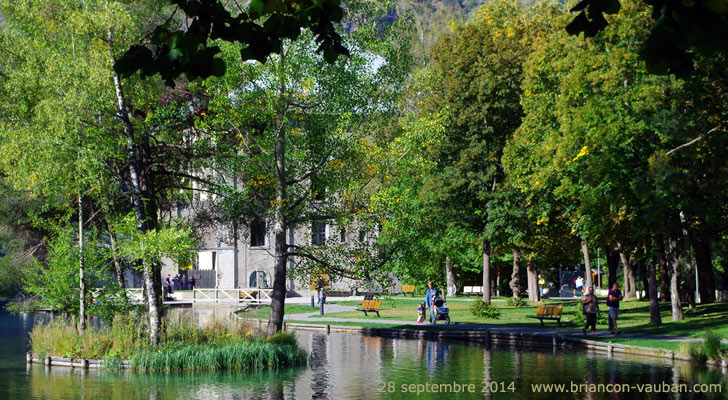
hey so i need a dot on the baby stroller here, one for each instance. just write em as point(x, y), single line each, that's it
point(442, 313)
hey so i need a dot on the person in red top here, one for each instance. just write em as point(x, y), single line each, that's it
point(613, 299)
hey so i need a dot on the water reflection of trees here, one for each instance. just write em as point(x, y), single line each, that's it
point(356, 365)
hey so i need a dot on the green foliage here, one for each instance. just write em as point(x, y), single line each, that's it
point(517, 302)
point(580, 317)
point(481, 309)
point(190, 51)
point(283, 338)
point(173, 240)
point(28, 305)
point(680, 30)
point(712, 345)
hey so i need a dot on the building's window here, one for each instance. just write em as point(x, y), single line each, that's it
point(257, 233)
point(318, 233)
point(206, 260)
point(258, 279)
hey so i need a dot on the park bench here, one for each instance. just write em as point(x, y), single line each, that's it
point(367, 297)
point(472, 290)
point(408, 289)
point(548, 312)
point(370, 306)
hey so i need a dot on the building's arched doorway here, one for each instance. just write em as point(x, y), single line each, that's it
point(258, 279)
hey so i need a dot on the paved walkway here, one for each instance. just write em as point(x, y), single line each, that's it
point(550, 329)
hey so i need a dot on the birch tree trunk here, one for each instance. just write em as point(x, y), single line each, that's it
point(674, 259)
point(587, 264)
point(531, 269)
point(81, 278)
point(486, 271)
point(515, 282)
point(145, 214)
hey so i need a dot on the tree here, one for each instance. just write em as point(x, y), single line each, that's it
point(476, 75)
point(173, 50)
point(298, 126)
point(679, 31)
point(62, 140)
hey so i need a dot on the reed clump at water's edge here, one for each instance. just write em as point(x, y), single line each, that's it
point(219, 345)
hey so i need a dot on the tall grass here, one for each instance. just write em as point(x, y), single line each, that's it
point(245, 355)
point(185, 346)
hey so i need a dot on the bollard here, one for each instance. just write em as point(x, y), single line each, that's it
point(487, 338)
point(84, 363)
point(555, 341)
point(312, 303)
point(328, 328)
point(610, 349)
point(28, 358)
point(47, 361)
point(723, 363)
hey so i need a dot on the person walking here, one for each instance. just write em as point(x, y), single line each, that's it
point(175, 281)
point(192, 282)
point(430, 295)
point(613, 299)
point(591, 308)
point(184, 282)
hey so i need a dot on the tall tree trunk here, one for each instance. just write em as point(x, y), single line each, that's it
point(452, 290)
point(652, 290)
point(612, 266)
point(674, 259)
point(531, 269)
point(515, 282)
point(664, 270)
point(587, 264)
point(704, 261)
point(81, 278)
point(630, 287)
point(486, 271)
point(280, 224)
point(145, 211)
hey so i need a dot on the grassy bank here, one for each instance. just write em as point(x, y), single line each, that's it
point(184, 346)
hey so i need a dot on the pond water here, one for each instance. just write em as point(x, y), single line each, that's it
point(350, 366)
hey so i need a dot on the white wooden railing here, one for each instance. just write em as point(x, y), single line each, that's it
point(235, 296)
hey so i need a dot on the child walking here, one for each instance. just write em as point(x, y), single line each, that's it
point(421, 313)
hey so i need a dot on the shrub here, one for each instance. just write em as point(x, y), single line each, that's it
point(29, 305)
point(711, 345)
point(580, 318)
point(479, 308)
point(694, 350)
point(517, 302)
point(283, 339)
